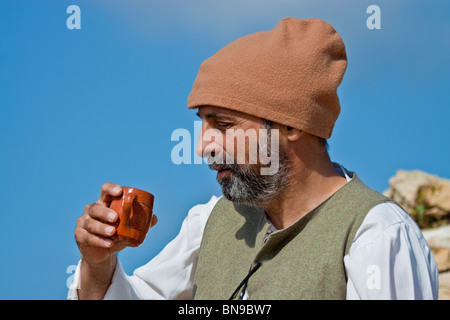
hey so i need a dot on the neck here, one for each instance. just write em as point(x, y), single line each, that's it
point(310, 185)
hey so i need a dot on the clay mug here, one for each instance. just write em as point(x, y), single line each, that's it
point(135, 210)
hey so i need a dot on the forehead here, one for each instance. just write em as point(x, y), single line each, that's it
point(213, 111)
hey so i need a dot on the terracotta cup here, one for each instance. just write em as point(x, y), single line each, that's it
point(135, 210)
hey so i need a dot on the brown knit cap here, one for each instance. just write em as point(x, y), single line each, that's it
point(288, 75)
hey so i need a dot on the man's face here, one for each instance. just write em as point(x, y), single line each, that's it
point(237, 147)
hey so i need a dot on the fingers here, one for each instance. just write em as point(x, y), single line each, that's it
point(108, 192)
point(85, 238)
point(100, 212)
point(98, 228)
point(93, 228)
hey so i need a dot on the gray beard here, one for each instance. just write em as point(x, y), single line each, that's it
point(246, 185)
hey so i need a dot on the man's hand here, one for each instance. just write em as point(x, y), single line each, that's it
point(94, 227)
point(97, 249)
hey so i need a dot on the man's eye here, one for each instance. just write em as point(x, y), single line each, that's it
point(223, 125)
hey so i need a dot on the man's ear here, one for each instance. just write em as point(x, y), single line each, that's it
point(293, 134)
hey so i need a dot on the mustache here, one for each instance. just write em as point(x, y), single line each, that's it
point(219, 166)
point(222, 166)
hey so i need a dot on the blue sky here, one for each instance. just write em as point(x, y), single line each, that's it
point(72, 99)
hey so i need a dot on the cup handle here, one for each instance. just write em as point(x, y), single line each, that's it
point(127, 205)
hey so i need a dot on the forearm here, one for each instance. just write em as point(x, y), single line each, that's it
point(95, 280)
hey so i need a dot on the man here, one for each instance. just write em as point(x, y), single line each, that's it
point(308, 230)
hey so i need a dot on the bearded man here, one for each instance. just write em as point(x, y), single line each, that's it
point(310, 229)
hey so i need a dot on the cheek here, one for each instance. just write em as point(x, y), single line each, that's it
point(228, 144)
point(242, 146)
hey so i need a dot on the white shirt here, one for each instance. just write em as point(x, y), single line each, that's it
point(388, 259)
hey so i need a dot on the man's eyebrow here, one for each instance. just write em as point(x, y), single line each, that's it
point(215, 116)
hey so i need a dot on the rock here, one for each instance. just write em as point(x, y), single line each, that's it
point(444, 286)
point(442, 257)
point(439, 242)
point(438, 238)
point(425, 197)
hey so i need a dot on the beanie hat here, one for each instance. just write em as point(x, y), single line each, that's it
point(288, 75)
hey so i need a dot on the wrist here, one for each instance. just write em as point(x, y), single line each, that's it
point(100, 267)
point(95, 279)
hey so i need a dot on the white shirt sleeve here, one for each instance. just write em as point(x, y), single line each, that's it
point(390, 259)
point(170, 274)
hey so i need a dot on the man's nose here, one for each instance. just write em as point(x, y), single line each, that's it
point(208, 144)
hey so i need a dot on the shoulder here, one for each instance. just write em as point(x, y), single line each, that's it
point(389, 247)
point(386, 219)
point(388, 234)
point(201, 212)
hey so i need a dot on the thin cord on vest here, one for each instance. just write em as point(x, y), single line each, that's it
point(244, 282)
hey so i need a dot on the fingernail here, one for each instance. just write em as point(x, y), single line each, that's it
point(111, 216)
point(108, 242)
point(109, 230)
point(116, 189)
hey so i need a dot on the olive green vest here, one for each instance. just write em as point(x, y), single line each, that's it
point(302, 261)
